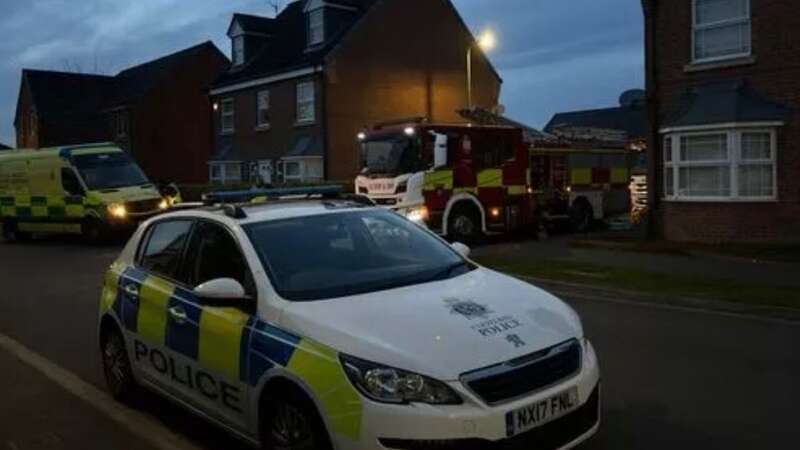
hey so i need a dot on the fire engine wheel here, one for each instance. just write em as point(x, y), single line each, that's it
point(464, 225)
point(11, 233)
point(581, 215)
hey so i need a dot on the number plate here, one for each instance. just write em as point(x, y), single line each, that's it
point(539, 413)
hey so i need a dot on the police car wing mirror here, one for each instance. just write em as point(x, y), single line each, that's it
point(221, 289)
point(462, 249)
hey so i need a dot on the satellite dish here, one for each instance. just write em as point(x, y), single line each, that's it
point(633, 97)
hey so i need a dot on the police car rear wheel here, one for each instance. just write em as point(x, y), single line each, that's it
point(117, 367)
point(293, 424)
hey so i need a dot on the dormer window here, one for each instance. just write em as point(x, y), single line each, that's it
point(316, 27)
point(238, 50)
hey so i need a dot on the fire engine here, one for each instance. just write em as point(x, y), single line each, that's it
point(462, 181)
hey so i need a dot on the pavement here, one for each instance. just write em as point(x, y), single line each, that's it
point(758, 272)
point(672, 377)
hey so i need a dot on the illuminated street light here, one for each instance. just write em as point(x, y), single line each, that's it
point(487, 40)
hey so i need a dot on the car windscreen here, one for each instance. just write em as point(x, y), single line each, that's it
point(109, 171)
point(348, 253)
point(392, 155)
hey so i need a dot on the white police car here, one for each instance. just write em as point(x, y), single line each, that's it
point(328, 324)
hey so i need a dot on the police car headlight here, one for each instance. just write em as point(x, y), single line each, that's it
point(117, 210)
point(418, 215)
point(389, 385)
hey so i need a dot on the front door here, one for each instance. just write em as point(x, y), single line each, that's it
point(265, 172)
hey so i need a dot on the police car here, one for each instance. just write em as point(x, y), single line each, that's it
point(325, 323)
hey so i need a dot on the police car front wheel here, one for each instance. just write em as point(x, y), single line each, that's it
point(292, 423)
point(117, 367)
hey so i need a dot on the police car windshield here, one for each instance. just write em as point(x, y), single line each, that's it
point(341, 254)
point(109, 171)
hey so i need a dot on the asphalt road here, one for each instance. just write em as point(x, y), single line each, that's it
point(672, 378)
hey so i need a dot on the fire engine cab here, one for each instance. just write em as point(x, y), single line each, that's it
point(462, 181)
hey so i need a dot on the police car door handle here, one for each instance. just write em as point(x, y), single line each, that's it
point(178, 315)
point(132, 290)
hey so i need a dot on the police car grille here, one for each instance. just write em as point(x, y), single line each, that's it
point(527, 374)
point(550, 436)
point(143, 206)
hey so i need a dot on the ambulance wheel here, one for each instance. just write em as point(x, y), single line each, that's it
point(93, 231)
point(464, 225)
point(11, 233)
point(292, 422)
point(117, 366)
point(581, 215)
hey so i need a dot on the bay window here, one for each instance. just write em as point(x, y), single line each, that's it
point(720, 165)
point(721, 29)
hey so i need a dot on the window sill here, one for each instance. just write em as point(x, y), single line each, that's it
point(736, 61)
point(721, 200)
point(265, 127)
point(227, 133)
point(305, 123)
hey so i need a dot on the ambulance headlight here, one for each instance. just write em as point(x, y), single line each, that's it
point(164, 204)
point(117, 210)
point(389, 385)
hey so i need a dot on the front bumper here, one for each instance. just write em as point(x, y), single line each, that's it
point(474, 425)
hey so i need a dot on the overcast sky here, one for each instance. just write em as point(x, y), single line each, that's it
point(554, 55)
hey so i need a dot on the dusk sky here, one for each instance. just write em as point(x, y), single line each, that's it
point(553, 55)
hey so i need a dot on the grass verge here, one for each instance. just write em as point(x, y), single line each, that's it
point(700, 287)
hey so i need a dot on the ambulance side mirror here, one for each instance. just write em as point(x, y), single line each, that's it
point(221, 289)
point(462, 249)
point(439, 150)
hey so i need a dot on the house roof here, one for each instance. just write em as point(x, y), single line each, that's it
point(483, 116)
point(286, 49)
point(618, 123)
point(60, 94)
point(254, 24)
point(729, 101)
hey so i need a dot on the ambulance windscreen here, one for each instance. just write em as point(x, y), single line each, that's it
point(109, 171)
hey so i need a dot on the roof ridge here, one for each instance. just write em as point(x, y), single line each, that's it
point(60, 72)
point(181, 52)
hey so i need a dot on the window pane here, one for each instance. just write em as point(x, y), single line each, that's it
point(292, 169)
point(669, 181)
point(756, 180)
point(710, 11)
point(711, 147)
point(668, 149)
point(163, 253)
point(214, 254)
point(233, 171)
point(704, 181)
point(756, 146)
point(722, 41)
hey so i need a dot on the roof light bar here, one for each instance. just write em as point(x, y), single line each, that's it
point(251, 194)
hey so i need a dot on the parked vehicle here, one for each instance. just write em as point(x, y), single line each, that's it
point(579, 185)
point(89, 189)
point(462, 181)
point(327, 323)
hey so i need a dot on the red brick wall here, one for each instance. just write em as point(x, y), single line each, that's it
point(384, 67)
point(171, 127)
point(774, 74)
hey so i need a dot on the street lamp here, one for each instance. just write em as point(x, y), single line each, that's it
point(486, 41)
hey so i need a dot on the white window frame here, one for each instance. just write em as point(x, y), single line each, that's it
point(719, 24)
point(223, 176)
point(734, 162)
point(304, 98)
point(237, 50)
point(300, 170)
point(261, 106)
point(316, 31)
point(223, 115)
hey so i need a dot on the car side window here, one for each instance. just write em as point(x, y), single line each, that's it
point(70, 183)
point(164, 249)
point(213, 253)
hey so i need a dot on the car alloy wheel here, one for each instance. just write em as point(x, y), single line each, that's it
point(290, 429)
point(116, 365)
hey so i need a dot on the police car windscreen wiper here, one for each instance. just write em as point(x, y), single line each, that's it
point(450, 270)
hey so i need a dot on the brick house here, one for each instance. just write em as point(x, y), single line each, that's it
point(158, 111)
point(303, 84)
point(723, 95)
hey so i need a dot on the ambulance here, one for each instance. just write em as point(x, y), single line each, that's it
point(317, 322)
point(86, 189)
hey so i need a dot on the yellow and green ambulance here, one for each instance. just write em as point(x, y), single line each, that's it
point(85, 189)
